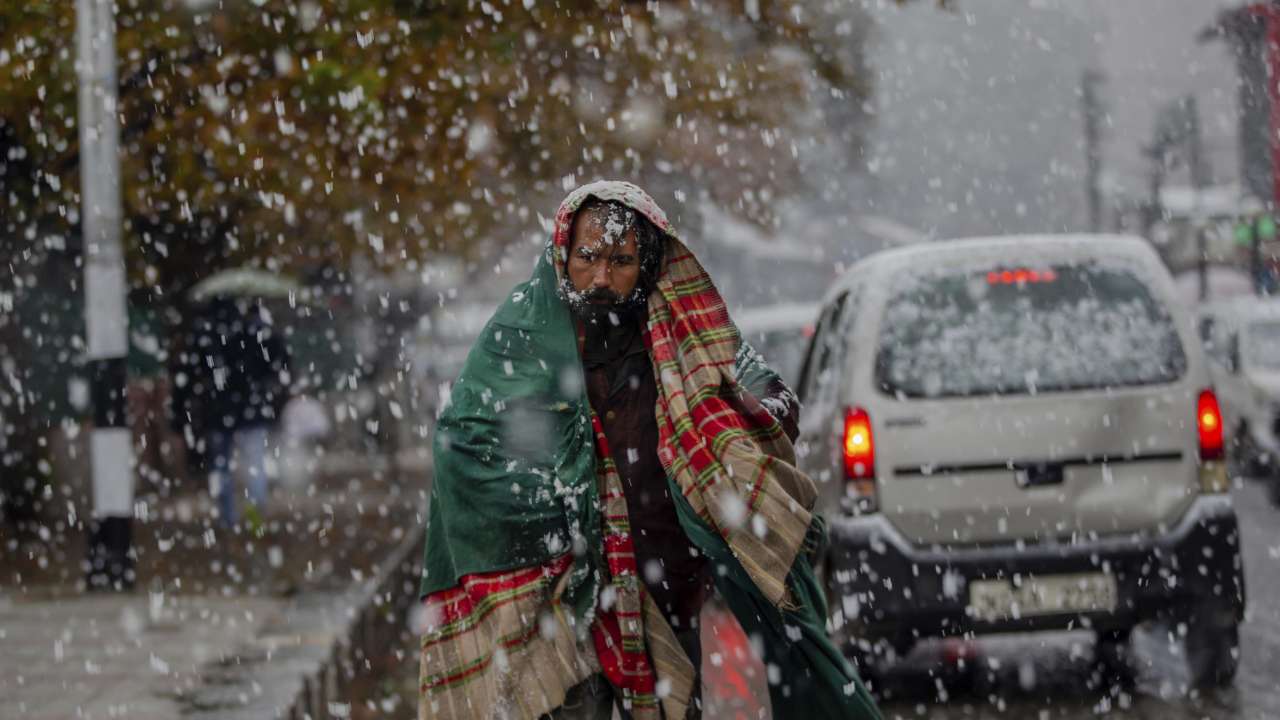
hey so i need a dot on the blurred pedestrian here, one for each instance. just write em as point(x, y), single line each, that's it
point(231, 383)
point(611, 451)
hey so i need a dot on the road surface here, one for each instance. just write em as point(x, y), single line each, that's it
point(1053, 676)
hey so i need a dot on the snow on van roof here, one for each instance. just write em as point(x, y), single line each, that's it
point(1083, 244)
point(1062, 247)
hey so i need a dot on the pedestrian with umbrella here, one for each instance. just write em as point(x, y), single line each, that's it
point(231, 382)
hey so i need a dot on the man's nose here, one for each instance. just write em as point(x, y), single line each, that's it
point(600, 275)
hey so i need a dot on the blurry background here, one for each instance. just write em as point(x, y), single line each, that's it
point(401, 159)
point(398, 162)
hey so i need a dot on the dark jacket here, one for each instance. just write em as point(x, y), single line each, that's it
point(231, 373)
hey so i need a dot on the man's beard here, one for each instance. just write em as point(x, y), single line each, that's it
point(604, 307)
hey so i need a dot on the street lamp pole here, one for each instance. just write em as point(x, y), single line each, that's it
point(106, 317)
point(1091, 110)
point(1199, 181)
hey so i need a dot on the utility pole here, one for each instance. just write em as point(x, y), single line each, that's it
point(106, 319)
point(1091, 112)
point(1199, 181)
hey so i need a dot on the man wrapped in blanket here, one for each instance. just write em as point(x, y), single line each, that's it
point(611, 453)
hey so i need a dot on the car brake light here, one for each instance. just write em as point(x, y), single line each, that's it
point(1209, 426)
point(859, 452)
point(859, 449)
point(1020, 276)
point(1213, 472)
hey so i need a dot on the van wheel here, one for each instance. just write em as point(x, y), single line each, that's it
point(870, 659)
point(847, 642)
point(1249, 460)
point(863, 660)
point(1114, 659)
point(873, 662)
point(1212, 647)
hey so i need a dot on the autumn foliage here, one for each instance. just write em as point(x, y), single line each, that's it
point(300, 133)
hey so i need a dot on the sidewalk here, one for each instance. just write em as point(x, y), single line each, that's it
point(112, 656)
point(222, 624)
point(160, 658)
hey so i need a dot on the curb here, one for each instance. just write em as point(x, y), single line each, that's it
point(378, 612)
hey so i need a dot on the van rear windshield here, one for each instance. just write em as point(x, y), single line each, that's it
point(1019, 330)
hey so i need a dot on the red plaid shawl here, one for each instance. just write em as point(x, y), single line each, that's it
point(729, 456)
point(499, 644)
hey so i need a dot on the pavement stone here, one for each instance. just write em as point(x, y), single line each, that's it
point(117, 656)
point(161, 656)
point(152, 657)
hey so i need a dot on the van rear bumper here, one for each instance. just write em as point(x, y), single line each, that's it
point(882, 588)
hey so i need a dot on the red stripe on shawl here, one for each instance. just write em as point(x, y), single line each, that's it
point(624, 669)
point(460, 601)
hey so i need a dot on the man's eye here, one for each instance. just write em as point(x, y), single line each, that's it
point(623, 260)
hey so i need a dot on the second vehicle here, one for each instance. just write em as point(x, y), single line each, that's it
point(1019, 434)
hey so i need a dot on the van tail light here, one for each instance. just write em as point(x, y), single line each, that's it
point(1209, 426)
point(1213, 472)
point(859, 451)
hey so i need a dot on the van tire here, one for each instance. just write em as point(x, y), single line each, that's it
point(1248, 459)
point(854, 649)
point(873, 662)
point(863, 662)
point(1212, 647)
point(1114, 658)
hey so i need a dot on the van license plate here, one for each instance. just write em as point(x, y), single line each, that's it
point(991, 600)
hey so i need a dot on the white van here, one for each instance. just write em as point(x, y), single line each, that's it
point(1242, 342)
point(1019, 434)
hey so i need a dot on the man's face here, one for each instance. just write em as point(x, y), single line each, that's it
point(604, 260)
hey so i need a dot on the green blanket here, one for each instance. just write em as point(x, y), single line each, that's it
point(514, 455)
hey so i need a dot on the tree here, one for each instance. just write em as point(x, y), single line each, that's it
point(296, 133)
